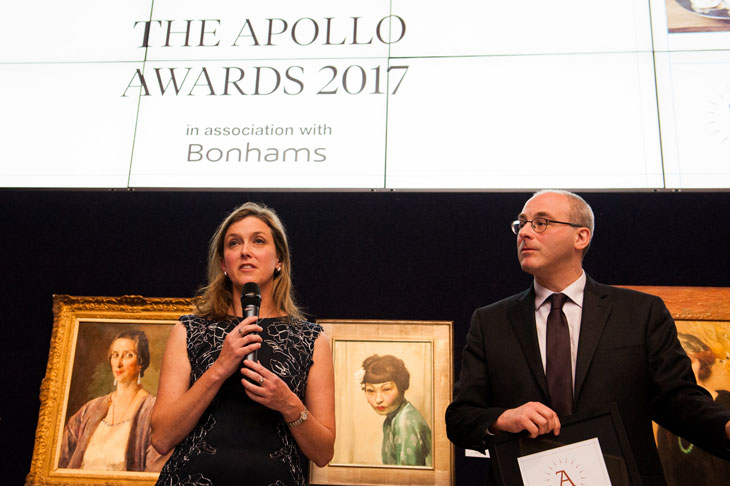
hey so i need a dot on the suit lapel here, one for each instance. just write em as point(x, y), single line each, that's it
point(596, 309)
point(522, 319)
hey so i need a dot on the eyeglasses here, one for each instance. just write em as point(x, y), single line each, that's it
point(539, 225)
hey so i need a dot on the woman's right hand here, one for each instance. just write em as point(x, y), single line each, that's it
point(242, 340)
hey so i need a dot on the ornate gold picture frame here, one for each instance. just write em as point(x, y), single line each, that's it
point(385, 435)
point(79, 381)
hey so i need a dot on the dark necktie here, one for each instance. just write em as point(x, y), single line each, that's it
point(558, 369)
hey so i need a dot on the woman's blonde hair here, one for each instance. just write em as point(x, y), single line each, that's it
point(214, 300)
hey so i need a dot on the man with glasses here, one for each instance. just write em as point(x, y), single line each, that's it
point(569, 344)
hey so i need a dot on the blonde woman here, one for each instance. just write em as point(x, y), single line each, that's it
point(231, 420)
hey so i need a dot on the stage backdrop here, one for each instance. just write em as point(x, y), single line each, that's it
point(364, 94)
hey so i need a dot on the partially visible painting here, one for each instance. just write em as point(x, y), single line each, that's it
point(99, 390)
point(393, 381)
point(708, 346)
point(698, 15)
point(702, 316)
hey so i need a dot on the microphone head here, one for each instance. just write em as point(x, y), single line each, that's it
point(251, 294)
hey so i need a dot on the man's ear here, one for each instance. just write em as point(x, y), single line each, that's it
point(582, 238)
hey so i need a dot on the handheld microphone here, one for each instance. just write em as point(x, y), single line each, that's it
point(250, 303)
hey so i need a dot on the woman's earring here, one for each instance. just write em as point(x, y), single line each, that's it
point(225, 273)
point(139, 379)
point(277, 271)
point(115, 382)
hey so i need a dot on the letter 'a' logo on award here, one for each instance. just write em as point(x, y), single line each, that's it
point(564, 478)
point(565, 472)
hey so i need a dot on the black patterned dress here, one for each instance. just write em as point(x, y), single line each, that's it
point(238, 441)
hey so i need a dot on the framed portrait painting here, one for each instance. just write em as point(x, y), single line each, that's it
point(99, 389)
point(393, 382)
point(702, 316)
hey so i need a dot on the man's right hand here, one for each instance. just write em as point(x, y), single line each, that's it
point(534, 417)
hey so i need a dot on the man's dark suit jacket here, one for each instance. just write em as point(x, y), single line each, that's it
point(628, 353)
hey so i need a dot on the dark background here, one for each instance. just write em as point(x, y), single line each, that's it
point(381, 255)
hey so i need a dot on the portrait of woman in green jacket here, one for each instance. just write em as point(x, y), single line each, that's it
point(406, 435)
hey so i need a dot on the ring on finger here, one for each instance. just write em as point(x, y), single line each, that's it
point(261, 380)
point(240, 332)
